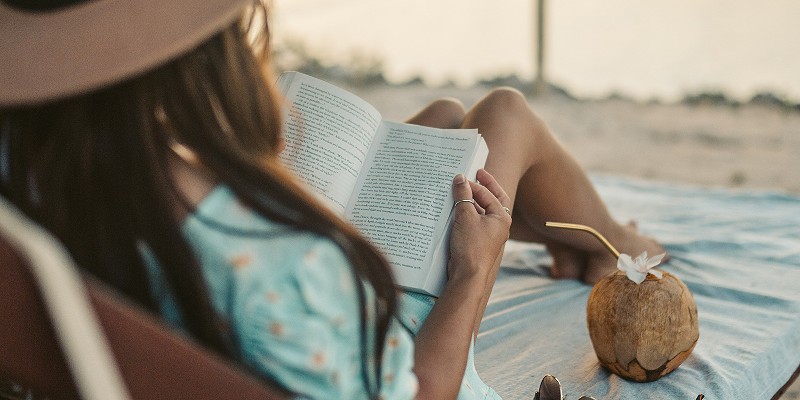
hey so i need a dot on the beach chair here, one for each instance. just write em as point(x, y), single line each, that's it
point(67, 337)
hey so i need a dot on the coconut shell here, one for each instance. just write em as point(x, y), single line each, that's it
point(642, 332)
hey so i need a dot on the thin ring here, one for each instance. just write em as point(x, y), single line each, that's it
point(507, 210)
point(464, 201)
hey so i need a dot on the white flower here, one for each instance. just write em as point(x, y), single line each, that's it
point(638, 268)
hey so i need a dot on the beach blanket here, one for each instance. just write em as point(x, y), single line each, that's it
point(737, 251)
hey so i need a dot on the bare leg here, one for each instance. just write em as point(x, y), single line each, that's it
point(444, 113)
point(545, 183)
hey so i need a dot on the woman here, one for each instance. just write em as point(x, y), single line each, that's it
point(145, 137)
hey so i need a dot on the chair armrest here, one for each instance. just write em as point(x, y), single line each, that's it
point(155, 361)
point(159, 363)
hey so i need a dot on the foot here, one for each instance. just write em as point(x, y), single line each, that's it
point(592, 265)
point(568, 263)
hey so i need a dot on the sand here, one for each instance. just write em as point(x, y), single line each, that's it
point(750, 146)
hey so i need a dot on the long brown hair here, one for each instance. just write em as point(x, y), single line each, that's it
point(93, 169)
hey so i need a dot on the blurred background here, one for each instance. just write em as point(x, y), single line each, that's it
point(703, 92)
point(654, 49)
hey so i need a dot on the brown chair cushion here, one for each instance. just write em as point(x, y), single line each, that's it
point(155, 362)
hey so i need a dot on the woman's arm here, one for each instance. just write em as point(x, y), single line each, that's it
point(476, 242)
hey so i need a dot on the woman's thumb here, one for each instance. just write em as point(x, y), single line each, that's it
point(462, 191)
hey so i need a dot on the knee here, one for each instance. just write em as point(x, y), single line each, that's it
point(510, 105)
point(449, 111)
point(506, 99)
point(445, 113)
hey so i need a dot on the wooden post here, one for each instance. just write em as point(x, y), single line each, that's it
point(540, 83)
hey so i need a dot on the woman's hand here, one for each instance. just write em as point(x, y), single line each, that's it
point(479, 229)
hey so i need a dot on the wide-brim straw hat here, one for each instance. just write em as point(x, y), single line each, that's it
point(52, 54)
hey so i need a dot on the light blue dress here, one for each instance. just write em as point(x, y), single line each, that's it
point(291, 302)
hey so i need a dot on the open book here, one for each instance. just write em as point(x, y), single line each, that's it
point(391, 180)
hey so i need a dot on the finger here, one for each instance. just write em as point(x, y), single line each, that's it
point(462, 190)
point(486, 199)
point(488, 181)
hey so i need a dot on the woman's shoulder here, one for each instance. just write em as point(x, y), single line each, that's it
point(225, 226)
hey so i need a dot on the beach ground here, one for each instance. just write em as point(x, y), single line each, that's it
point(749, 146)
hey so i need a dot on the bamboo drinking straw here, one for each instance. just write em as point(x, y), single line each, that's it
point(579, 227)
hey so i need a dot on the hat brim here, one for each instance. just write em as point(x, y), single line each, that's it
point(50, 55)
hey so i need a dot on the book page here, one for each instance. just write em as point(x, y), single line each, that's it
point(328, 132)
point(404, 197)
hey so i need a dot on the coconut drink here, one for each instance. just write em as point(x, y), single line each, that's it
point(642, 322)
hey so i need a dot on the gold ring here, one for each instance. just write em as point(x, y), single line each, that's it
point(464, 201)
point(507, 210)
